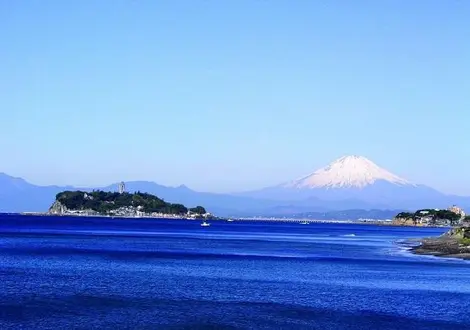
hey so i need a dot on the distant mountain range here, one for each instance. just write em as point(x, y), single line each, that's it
point(17, 195)
point(349, 183)
point(361, 183)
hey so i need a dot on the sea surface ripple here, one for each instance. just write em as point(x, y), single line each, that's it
point(100, 273)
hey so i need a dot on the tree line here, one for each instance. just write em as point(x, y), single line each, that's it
point(433, 214)
point(103, 202)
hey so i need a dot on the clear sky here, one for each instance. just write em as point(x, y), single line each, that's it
point(233, 95)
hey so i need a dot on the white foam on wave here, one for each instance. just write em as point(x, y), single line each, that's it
point(404, 250)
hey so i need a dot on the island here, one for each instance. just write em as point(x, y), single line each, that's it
point(453, 216)
point(121, 204)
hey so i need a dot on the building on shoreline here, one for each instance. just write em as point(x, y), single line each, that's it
point(452, 216)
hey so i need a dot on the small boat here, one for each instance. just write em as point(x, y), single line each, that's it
point(205, 224)
point(230, 220)
point(305, 223)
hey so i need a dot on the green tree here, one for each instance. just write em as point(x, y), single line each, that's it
point(405, 215)
point(198, 210)
point(104, 202)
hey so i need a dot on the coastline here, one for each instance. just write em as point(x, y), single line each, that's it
point(376, 222)
point(76, 215)
point(442, 246)
point(447, 245)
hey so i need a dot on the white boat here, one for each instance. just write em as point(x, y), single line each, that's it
point(305, 223)
point(205, 224)
point(230, 220)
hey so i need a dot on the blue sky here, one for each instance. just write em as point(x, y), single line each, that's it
point(233, 95)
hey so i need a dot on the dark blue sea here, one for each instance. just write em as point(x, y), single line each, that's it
point(101, 273)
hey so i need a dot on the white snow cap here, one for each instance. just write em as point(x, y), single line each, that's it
point(348, 171)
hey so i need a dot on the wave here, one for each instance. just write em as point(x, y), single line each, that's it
point(147, 255)
point(404, 247)
point(196, 234)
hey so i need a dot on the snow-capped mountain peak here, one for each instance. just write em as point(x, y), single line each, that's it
point(347, 172)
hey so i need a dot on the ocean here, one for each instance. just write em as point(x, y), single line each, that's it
point(102, 273)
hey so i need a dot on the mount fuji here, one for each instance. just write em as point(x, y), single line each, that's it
point(356, 180)
point(347, 172)
point(351, 183)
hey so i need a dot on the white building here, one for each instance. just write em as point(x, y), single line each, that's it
point(457, 210)
point(122, 187)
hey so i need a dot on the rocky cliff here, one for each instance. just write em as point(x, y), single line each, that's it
point(57, 208)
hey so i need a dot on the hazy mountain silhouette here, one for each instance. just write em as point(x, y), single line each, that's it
point(350, 183)
point(356, 178)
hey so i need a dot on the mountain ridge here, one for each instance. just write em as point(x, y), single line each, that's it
point(28, 197)
point(347, 171)
point(357, 178)
point(351, 182)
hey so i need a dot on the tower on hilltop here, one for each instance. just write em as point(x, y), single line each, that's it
point(122, 187)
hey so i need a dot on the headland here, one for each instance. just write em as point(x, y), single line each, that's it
point(453, 216)
point(453, 244)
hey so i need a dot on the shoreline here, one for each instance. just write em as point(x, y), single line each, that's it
point(442, 246)
point(445, 246)
point(387, 223)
